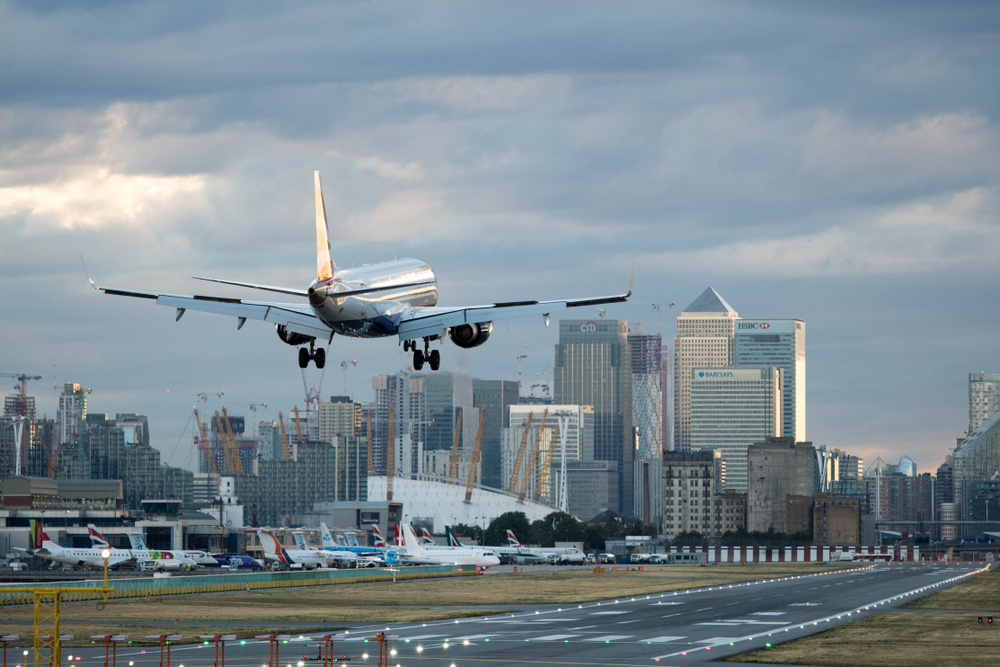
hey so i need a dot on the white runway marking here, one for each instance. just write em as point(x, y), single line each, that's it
point(607, 613)
point(662, 640)
point(553, 638)
point(768, 613)
point(608, 638)
point(423, 637)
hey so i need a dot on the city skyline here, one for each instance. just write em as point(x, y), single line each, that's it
point(847, 178)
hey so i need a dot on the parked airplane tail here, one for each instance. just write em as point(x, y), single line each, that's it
point(411, 541)
point(452, 540)
point(352, 540)
point(400, 540)
point(272, 547)
point(300, 541)
point(511, 540)
point(325, 268)
point(138, 544)
point(379, 539)
point(327, 538)
point(96, 539)
point(427, 538)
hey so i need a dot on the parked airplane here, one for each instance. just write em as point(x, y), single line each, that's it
point(279, 555)
point(544, 551)
point(379, 540)
point(158, 560)
point(200, 558)
point(243, 562)
point(44, 547)
point(330, 545)
point(397, 298)
point(340, 555)
point(415, 553)
point(509, 552)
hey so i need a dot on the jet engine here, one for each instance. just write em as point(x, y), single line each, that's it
point(470, 335)
point(290, 337)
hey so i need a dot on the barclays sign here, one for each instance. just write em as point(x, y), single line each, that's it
point(715, 374)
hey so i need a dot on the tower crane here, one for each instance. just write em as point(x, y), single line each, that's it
point(209, 456)
point(543, 474)
point(233, 446)
point(230, 466)
point(474, 463)
point(284, 438)
point(453, 460)
point(530, 472)
point(27, 413)
point(344, 365)
point(512, 487)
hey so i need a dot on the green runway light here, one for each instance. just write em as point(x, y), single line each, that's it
point(204, 642)
point(767, 645)
point(406, 641)
point(243, 643)
point(486, 640)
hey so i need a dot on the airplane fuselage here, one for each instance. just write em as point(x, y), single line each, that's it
point(377, 314)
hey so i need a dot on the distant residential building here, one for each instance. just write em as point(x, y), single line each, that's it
point(705, 333)
point(341, 417)
point(496, 396)
point(690, 500)
point(72, 412)
point(836, 521)
point(782, 344)
point(977, 457)
point(849, 466)
point(777, 468)
point(984, 398)
point(593, 367)
point(731, 408)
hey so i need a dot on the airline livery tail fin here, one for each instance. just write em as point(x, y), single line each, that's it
point(271, 546)
point(427, 538)
point(352, 540)
point(379, 539)
point(452, 540)
point(327, 538)
point(96, 539)
point(138, 544)
point(511, 540)
point(400, 540)
point(300, 541)
point(325, 268)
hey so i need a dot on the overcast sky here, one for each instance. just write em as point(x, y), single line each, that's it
point(834, 164)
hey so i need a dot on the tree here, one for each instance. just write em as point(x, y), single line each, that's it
point(471, 532)
point(557, 527)
point(517, 522)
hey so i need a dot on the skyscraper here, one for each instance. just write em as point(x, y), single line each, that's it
point(780, 343)
point(593, 367)
point(732, 408)
point(647, 416)
point(72, 412)
point(704, 338)
point(984, 398)
point(497, 396)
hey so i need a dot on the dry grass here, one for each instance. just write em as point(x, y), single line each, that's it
point(978, 593)
point(892, 639)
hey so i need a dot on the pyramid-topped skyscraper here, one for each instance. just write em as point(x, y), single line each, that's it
point(705, 333)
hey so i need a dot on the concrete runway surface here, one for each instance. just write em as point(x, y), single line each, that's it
point(676, 628)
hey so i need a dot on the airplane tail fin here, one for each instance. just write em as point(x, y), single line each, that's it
point(300, 541)
point(379, 539)
point(138, 544)
point(325, 268)
point(400, 540)
point(96, 539)
point(410, 539)
point(327, 538)
point(452, 540)
point(427, 538)
point(511, 540)
point(271, 546)
point(352, 540)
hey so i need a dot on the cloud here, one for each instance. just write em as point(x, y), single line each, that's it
point(924, 235)
point(404, 171)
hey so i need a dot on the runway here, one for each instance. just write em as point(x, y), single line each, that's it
point(677, 628)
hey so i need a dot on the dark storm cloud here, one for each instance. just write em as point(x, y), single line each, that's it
point(834, 163)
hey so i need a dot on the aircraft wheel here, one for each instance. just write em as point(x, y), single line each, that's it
point(435, 360)
point(320, 358)
point(303, 357)
point(418, 360)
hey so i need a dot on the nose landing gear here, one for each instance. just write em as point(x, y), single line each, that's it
point(319, 356)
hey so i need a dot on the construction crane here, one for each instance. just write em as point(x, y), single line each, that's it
point(230, 466)
point(453, 461)
point(474, 463)
point(512, 486)
point(203, 444)
point(298, 425)
point(284, 437)
point(233, 446)
point(530, 472)
point(28, 414)
point(543, 474)
point(390, 459)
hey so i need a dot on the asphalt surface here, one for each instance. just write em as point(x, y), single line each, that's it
point(677, 628)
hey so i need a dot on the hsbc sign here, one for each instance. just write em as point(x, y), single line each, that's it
point(752, 325)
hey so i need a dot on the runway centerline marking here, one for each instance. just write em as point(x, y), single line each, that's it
point(608, 638)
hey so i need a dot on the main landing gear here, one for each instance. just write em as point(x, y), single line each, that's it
point(432, 357)
point(319, 356)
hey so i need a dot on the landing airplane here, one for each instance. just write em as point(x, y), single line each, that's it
point(397, 298)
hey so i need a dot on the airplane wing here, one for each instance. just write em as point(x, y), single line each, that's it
point(296, 318)
point(419, 322)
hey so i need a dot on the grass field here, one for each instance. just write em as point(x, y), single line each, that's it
point(979, 593)
point(892, 639)
point(913, 639)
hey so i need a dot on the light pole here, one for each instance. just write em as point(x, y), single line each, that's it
point(106, 554)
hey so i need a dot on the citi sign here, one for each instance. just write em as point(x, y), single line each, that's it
point(588, 327)
point(715, 374)
point(752, 325)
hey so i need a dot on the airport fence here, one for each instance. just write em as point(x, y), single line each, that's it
point(239, 581)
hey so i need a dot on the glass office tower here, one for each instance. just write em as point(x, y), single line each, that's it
point(780, 343)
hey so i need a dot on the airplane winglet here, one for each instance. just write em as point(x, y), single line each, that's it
point(631, 282)
point(88, 272)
